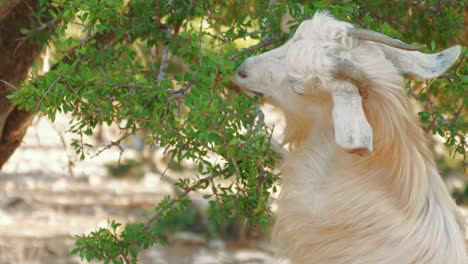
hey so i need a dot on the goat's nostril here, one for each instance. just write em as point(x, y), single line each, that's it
point(241, 73)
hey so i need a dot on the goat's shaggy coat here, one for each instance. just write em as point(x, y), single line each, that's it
point(388, 206)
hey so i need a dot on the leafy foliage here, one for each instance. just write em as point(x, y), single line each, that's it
point(104, 74)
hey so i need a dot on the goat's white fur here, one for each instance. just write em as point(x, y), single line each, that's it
point(389, 206)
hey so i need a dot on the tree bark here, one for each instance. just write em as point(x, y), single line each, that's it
point(17, 55)
point(6, 6)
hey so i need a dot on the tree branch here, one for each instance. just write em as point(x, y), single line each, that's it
point(180, 92)
point(259, 46)
point(17, 56)
point(112, 144)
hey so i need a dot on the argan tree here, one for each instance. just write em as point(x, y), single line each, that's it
point(164, 67)
point(17, 54)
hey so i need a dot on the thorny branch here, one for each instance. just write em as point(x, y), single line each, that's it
point(9, 85)
point(50, 24)
point(71, 163)
point(180, 92)
point(112, 144)
point(47, 92)
point(259, 46)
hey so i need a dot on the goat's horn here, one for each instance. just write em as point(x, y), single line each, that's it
point(344, 69)
point(370, 35)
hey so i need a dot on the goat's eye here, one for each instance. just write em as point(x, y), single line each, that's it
point(281, 57)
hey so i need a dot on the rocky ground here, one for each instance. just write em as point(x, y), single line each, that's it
point(47, 197)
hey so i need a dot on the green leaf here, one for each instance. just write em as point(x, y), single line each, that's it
point(440, 132)
point(133, 252)
point(433, 45)
point(424, 115)
point(24, 31)
point(233, 142)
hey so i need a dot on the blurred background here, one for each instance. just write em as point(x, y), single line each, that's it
point(48, 195)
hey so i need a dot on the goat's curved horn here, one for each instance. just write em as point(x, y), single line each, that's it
point(370, 35)
point(346, 70)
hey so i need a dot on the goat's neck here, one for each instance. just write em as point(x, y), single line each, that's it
point(312, 145)
point(401, 160)
point(402, 155)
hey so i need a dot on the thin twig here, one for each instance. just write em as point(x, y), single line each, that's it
point(13, 88)
point(52, 23)
point(112, 144)
point(180, 92)
point(126, 85)
point(457, 113)
point(43, 26)
point(267, 36)
point(212, 24)
point(71, 162)
point(238, 176)
point(259, 46)
point(255, 32)
point(47, 92)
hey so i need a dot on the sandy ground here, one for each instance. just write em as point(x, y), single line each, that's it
point(44, 202)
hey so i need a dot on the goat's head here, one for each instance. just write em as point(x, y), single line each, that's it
point(328, 67)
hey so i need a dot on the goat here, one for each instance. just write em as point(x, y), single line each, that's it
point(360, 184)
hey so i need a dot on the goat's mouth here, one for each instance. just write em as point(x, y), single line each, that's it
point(248, 92)
point(242, 88)
point(252, 93)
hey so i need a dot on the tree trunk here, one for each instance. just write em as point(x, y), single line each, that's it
point(17, 55)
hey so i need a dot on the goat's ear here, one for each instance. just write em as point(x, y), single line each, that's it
point(352, 130)
point(422, 65)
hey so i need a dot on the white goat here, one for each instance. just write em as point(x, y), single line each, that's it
point(360, 184)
